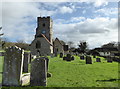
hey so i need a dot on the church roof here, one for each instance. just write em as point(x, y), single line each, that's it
point(46, 39)
point(58, 41)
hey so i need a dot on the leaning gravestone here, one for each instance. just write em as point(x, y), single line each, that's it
point(109, 59)
point(12, 68)
point(88, 60)
point(38, 72)
point(98, 60)
point(61, 55)
point(82, 57)
point(26, 62)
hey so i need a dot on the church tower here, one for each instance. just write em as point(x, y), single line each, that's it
point(42, 44)
point(44, 26)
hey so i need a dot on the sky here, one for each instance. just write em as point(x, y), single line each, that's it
point(94, 22)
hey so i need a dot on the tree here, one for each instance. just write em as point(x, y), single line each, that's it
point(82, 46)
point(108, 45)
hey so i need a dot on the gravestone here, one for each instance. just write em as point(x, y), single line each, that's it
point(30, 58)
point(64, 58)
point(26, 62)
point(109, 59)
point(82, 57)
point(56, 54)
point(38, 72)
point(68, 57)
point(12, 68)
point(72, 58)
point(61, 55)
point(47, 61)
point(98, 60)
point(94, 56)
point(88, 60)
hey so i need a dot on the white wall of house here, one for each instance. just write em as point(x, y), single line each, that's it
point(104, 53)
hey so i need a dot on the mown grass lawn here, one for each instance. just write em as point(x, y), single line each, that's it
point(1, 67)
point(78, 74)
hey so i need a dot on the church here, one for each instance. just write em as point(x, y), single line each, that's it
point(42, 45)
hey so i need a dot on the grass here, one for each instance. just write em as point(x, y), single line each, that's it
point(1, 67)
point(78, 74)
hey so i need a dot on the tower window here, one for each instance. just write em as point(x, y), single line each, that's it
point(38, 44)
point(43, 24)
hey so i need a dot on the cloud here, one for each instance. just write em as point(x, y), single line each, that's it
point(104, 29)
point(19, 19)
point(65, 9)
point(107, 11)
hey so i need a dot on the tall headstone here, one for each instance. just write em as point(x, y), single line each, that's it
point(88, 60)
point(38, 72)
point(12, 68)
point(26, 62)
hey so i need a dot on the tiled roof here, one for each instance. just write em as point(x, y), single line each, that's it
point(46, 39)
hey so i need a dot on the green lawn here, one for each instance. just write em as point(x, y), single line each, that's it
point(78, 74)
point(1, 66)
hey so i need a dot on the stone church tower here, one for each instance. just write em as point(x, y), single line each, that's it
point(42, 44)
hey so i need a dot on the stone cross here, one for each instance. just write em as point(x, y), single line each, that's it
point(12, 68)
point(38, 72)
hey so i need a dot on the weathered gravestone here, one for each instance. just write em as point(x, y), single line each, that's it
point(72, 58)
point(38, 72)
point(26, 61)
point(98, 60)
point(68, 57)
point(88, 60)
point(61, 55)
point(82, 57)
point(12, 68)
point(109, 59)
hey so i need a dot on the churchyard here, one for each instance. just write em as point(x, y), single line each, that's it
point(76, 73)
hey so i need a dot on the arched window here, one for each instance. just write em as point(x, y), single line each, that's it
point(38, 44)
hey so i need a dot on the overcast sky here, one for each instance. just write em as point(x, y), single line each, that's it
point(95, 22)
